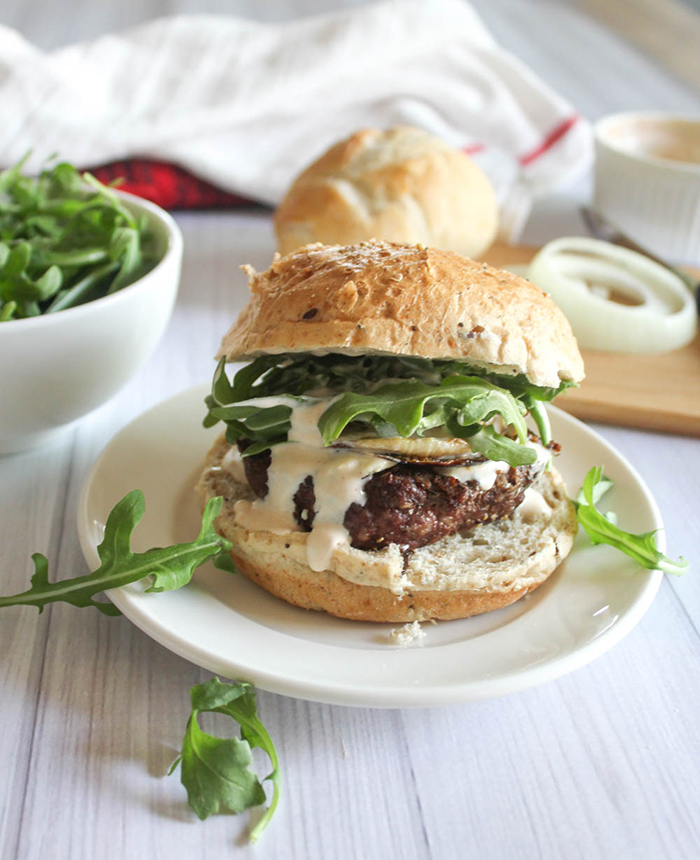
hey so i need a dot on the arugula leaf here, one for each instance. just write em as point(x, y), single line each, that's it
point(403, 404)
point(540, 417)
point(225, 393)
point(598, 485)
point(65, 239)
point(266, 426)
point(222, 392)
point(395, 395)
point(640, 547)
point(171, 567)
point(298, 373)
point(521, 387)
point(7, 310)
point(494, 446)
point(216, 771)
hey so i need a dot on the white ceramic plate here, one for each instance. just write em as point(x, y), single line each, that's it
point(227, 625)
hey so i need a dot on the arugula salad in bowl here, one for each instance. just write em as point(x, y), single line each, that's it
point(88, 280)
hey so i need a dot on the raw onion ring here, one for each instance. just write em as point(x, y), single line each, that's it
point(582, 274)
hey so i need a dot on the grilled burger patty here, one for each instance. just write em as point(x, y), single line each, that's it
point(408, 504)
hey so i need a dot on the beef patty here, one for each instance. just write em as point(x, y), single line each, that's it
point(408, 504)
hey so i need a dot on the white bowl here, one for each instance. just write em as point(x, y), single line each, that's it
point(647, 180)
point(58, 367)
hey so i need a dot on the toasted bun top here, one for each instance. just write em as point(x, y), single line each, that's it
point(401, 185)
point(379, 297)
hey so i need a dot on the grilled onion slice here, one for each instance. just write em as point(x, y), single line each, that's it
point(414, 449)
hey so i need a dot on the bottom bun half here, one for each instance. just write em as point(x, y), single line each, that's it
point(487, 568)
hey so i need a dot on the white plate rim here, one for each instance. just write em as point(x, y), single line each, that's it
point(135, 609)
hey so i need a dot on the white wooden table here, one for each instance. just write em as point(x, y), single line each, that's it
point(603, 763)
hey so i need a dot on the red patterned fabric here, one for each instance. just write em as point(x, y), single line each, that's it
point(173, 187)
point(167, 185)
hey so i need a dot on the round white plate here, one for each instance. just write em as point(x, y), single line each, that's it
point(226, 624)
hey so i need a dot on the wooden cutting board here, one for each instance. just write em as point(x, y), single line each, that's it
point(653, 392)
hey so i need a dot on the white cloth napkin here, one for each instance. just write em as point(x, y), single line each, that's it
point(247, 105)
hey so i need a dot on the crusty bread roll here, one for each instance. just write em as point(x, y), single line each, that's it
point(461, 575)
point(378, 297)
point(402, 185)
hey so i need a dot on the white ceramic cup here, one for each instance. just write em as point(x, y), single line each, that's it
point(647, 180)
point(58, 367)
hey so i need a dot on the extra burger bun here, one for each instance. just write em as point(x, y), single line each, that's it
point(488, 568)
point(379, 297)
point(402, 185)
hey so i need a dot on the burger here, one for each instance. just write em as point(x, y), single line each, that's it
point(387, 453)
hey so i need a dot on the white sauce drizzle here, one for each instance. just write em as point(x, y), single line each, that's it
point(533, 505)
point(338, 474)
point(544, 455)
point(268, 402)
point(233, 464)
point(484, 474)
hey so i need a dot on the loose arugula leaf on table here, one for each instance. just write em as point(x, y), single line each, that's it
point(216, 771)
point(600, 529)
point(171, 567)
point(65, 239)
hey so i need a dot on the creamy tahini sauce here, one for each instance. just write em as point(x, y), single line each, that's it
point(485, 473)
point(338, 474)
point(544, 456)
point(233, 464)
point(533, 505)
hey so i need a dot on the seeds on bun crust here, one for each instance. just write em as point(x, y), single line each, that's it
point(383, 298)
